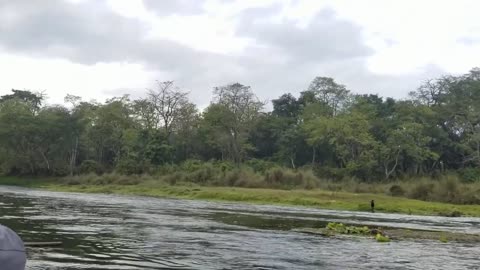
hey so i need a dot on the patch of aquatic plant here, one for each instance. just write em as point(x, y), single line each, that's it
point(344, 229)
point(382, 238)
point(340, 228)
point(443, 239)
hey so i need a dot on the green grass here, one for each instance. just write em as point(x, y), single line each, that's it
point(298, 197)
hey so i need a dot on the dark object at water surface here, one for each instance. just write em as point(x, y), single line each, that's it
point(42, 244)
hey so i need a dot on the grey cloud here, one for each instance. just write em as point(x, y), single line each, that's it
point(87, 32)
point(325, 38)
point(169, 7)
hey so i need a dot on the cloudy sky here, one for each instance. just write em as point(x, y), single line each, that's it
point(102, 48)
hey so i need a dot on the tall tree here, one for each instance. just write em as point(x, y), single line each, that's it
point(242, 109)
point(167, 100)
point(329, 92)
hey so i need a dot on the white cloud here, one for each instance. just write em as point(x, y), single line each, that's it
point(60, 77)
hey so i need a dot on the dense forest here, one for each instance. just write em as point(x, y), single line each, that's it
point(337, 133)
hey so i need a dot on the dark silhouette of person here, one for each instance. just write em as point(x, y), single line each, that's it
point(372, 205)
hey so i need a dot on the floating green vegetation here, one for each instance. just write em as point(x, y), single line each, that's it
point(340, 228)
point(443, 238)
point(382, 238)
point(343, 229)
point(397, 234)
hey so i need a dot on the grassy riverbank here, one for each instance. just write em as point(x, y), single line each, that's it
point(298, 197)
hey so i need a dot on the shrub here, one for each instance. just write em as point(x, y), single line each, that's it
point(397, 191)
point(361, 187)
point(447, 190)
point(73, 181)
point(202, 175)
point(310, 181)
point(243, 177)
point(422, 190)
point(165, 169)
point(174, 178)
point(471, 196)
point(191, 165)
point(331, 173)
point(470, 174)
point(130, 166)
point(90, 166)
point(128, 180)
point(60, 169)
point(260, 165)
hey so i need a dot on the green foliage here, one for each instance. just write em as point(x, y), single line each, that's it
point(286, 178)
point(443, 239)
point(340, 228)
point(131, 165)
point(470, 174)
point(382, 238)
point(341, 136)
point(396, 190)
point(422, 190)
point(260, 166)
point(90, 166)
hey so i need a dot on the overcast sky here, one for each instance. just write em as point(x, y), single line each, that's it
point(102, 48)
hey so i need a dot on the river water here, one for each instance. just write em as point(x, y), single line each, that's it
point(127, 232)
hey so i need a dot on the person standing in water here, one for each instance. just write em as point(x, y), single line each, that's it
point(372, 205)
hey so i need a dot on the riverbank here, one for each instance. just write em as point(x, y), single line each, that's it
point(297, 197)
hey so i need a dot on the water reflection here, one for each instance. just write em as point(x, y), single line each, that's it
point(121, 232)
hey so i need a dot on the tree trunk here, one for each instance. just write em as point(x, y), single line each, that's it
point(236, 150)
point(314, 154)
point(46, 160)
point(387, 172)
point(73, 156)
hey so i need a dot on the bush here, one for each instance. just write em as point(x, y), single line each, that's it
point(470, 175)
point(279, 177)
point(73, 181)
point(202, 175)
point(333, 173)
point(165, 169)
point(310, 181)
point(447, 190)
point(243, 177)
point(191, 165)
point(397, 191)
point(422, 191)
point(287, 178)
point(90, 166)
point(174, 178)
point(260, 165)
point(130, 166)
point(471, 196)
point(127, 180)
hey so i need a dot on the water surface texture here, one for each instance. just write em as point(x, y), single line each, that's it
point(126, 232)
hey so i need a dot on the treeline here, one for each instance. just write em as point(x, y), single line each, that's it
point(335, 132)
